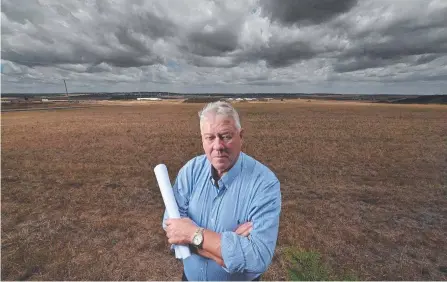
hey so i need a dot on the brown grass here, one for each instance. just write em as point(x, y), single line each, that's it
point(362, 184)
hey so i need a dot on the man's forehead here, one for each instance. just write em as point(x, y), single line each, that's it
point(212, 121)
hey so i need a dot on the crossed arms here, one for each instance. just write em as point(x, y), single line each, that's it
point(234, 250)
point(179, 231)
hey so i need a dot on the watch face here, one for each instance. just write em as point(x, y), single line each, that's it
point(197, 239)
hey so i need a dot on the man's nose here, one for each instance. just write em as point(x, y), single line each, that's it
point(218, 144)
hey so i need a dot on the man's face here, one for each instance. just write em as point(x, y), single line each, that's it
point(222, 141)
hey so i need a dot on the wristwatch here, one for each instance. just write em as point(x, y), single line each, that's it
point(197, 239)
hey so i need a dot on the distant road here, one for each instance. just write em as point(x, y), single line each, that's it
point(44, 109)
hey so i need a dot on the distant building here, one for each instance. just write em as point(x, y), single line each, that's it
point(149, 99)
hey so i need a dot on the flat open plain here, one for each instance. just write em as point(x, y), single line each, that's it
point(362, 184)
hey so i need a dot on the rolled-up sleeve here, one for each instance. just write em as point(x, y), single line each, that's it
point(254, 253)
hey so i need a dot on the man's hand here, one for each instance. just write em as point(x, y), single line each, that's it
point(180, 230)
point(244, 229)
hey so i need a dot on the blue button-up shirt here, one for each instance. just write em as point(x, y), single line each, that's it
point(249, 191)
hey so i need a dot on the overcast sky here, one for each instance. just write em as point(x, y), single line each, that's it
point(339, 46)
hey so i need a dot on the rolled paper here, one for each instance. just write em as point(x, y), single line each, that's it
point(161, 173)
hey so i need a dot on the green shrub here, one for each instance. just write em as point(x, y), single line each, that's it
point(308, 266)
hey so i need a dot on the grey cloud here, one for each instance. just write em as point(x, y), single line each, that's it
point(419, 42)
point(216, 62)
point(398, 40)
point(221, 49)
point(355, 64)
point(264, 43)
point(150, 25)
point(426, 58)
point(268, 83)
point(305, 11)
point(437, 77)
point(18, 14)
point(279, 54)
point(205, 41)
point(127, 37)
point(125, 42)
point(102, 67)
point(366, 62)
point(80, 55)
point(213, 43)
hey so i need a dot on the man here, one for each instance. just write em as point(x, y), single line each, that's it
point(229, 203)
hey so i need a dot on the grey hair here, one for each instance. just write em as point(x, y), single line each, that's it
point(220, 108)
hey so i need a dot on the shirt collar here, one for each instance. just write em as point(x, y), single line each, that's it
point(229, 177)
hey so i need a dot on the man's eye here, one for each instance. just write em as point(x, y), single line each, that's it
point(209, 138)
point(226, 137)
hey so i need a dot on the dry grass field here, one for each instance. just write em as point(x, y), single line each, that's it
point(364, 185)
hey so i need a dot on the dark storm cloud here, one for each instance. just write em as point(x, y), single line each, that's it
point(151, 25)
point(305, 11)
point(204, 42)
point(213, 43)
point(253, 42)
point(279, 54)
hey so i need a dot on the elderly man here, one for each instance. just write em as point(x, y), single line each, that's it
point(229, 203)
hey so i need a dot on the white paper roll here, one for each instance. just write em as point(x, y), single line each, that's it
point(161, 173)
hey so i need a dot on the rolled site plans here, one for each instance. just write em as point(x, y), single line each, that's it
point(161, 173)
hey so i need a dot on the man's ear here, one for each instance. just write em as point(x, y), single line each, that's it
point(241, 133)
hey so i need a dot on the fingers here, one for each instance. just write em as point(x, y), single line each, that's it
point(247, 232)
point(244, 229)
point(168, 233)
point(172, 238)
point(175, 234)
